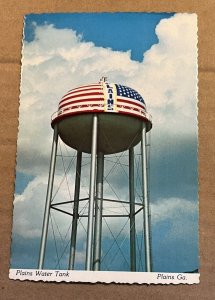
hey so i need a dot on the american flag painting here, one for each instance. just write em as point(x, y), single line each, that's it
point(102, 97)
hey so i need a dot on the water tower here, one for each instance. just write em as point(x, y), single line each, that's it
point(100, 119)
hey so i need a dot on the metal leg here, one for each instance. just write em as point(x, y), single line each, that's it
point(48, 199)
point(88, 265)
point(132, 212)
point(98, 213)
point(148, 263)
point(75, 211)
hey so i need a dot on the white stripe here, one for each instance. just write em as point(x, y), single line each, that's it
point(120, 98)
point(132, 111)
point(99, 97)
point(86, 87)
point(121, 103)
point(83, 103)
point(100, 106)
point(79, 109)
point(71, 94)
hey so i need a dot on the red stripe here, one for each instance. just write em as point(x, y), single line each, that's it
point(127, 107)
point(101, 99)
point(96, 105)
point(131, 102)
point(82, 106)
point(93, 94)
point(81, 91)
point(83, 86)
point(87, 94)
point(80, 101)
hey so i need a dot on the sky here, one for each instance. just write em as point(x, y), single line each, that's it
point(104, 29)
point(156, 54)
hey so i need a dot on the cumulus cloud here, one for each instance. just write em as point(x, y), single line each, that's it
point(168, 75)
point(181, 213)
point(58, 60)
point(28, 221)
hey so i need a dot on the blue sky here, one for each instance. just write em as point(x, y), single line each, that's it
point(106, 29)
point(159, 77)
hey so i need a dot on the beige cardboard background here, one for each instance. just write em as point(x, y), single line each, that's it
point(11, 26)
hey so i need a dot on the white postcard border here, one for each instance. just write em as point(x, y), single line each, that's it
point(104, 276)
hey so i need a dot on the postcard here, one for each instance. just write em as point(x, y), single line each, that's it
point(106, 183)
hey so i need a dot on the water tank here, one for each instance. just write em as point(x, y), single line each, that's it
point(121, 112)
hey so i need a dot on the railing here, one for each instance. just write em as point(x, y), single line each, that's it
point(100, 106)
point(148, 116)
point(54, 115)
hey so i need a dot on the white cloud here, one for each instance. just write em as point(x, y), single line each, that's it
point(29, 208)
point(181, 213)
point(28, 222)
point(168, 75)
point(58, 60)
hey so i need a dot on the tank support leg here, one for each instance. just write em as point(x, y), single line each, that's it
point(88, 265)
point(132, 211)
point(98, 213)
point(75, 211)
point(48, 200)
point(148, 262)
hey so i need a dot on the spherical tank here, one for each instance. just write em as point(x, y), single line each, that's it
point(121, 113)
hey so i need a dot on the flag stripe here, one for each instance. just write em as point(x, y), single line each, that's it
point(82, 92)
point(85, 87)
point(97, 101)
point(83, 96)
point(101, 97)
point(131, 101)
point(81, 99)
point(95, 106)
point(89, 101)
